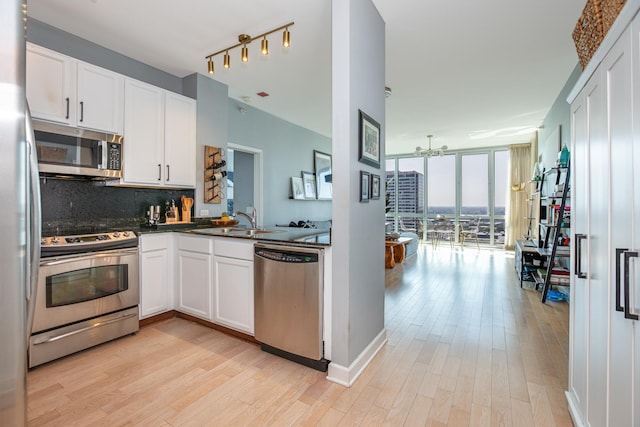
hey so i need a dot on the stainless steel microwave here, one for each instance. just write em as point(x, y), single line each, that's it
point(67, 151)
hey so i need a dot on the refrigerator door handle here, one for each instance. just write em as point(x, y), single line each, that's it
point(34, 218)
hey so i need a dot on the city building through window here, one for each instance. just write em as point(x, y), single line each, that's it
point(440, 197)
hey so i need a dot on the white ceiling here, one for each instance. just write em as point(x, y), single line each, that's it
point(456, 68)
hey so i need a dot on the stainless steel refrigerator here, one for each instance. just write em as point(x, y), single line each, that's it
point(19, 226)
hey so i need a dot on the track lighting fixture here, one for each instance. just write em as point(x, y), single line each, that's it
point(244, 40)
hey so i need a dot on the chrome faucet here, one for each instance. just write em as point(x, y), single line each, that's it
point(253, 219)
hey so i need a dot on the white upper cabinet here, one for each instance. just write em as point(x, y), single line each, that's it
point(51, 85)
point(159, 135)
point(143, 156)
point(100, 99)
point(64, 90)
point(180, 140)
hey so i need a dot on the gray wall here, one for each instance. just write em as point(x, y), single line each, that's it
point(358, 228)
point(211, 129)
point(559, 115)
point(287, 150)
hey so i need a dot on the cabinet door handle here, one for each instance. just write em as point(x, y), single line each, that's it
point(167, 172)
point(619, 252)
point(578, 238)
point(81, 110)
point(159, 172)
point(627, 312)
point(67, 116)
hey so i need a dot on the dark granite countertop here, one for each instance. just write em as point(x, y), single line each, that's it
point(288, 235)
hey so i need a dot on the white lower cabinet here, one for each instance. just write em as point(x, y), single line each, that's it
point(206, 277)
point(233, 284)
point(194, 275)
point(156, 274)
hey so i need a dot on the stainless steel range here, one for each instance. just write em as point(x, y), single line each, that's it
point(88, 293)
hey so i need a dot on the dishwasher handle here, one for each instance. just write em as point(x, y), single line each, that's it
point(285, 256)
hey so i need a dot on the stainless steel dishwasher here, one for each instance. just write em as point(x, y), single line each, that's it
point(288, 301)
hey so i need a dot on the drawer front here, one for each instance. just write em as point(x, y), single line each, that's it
point(234, 248)
point(155, 242)
point(195, 244)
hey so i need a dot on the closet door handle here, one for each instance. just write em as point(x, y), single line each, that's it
point(167, 172)
point(618, 303)
point(159, 172)
point(81, 111)
point(578, 238)
point(627, 312)
point(67, 116)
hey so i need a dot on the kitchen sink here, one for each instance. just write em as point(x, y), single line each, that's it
point(237, 231)
point(252, 231)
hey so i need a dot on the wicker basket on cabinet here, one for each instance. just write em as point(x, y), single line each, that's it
point(589, 31)
point(610, 11)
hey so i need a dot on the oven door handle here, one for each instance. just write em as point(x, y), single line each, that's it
point(86, 328)
point(75, 258)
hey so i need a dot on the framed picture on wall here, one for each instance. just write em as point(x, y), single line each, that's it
point(364, 186)
point(309, 181)
point(375, 187)
point(297, 188)
point(369, 140)
point(322, 164)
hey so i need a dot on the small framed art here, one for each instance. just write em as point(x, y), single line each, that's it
point(297, 187)
point(309, 181)
point(369, 141)
point(375, 187)
point(364, 186)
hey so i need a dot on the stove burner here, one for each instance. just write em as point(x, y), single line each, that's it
point(72, 239)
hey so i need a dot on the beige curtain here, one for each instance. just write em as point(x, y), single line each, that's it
point(520, 169)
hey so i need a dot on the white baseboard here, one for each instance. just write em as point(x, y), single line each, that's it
point(573, 410)
point(346, 376)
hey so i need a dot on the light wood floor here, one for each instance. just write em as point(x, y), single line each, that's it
point(467, 347)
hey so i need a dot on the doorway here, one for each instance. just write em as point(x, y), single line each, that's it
point(244, 179)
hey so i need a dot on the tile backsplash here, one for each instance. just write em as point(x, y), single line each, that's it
point(71, 206)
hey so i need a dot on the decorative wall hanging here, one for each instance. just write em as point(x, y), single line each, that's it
point(375, 187)
point(309, 181)
point(369, 140)
point(297, 188)
point(214, 174)
point(324, 175)
point(364, 186)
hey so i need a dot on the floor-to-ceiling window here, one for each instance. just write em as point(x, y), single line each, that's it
point(461, 190)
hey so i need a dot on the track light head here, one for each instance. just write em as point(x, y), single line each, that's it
point(265, 46)
point(227, 60)
point(245, 54)
point(286, 38)
point(210, 66)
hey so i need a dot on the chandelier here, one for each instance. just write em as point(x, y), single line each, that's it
point(244, 40)
point(429, 152)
